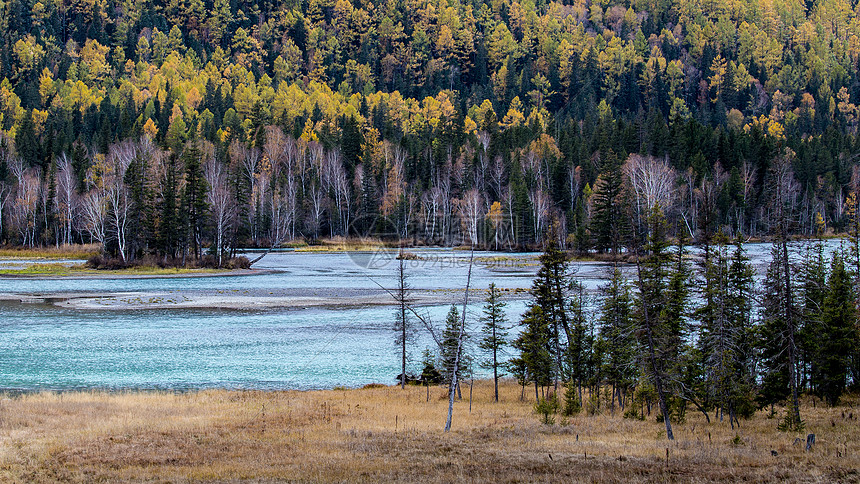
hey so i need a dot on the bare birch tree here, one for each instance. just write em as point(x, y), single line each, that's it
point(27, 194)
point(471, 211)
point(541, 209)
point(248, 160)
point(653, 183)
point(221, 200)
point(67, 196)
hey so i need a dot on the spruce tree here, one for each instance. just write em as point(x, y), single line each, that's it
point(776, 338)
point(608, 220)
point(533, 344)
point(740, 294)
point(839, 333)
point(580, 343)
point(495, 334)
point(814, 290)
point(450, 346)
point(659, 306)
point(617, 333)
point(194, 204)
point(549, 291)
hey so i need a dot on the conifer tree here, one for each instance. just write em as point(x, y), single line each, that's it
point(549, 291)
point(657, 307)
point(533, 344)
point(780, 306)
point(813, 291)
point(168, 214)
point(617, 332)
point(771, 338)
point(450, 346)
point(608, 222)
point(839, 333)
point(495, 334)
point(740, 293)
point(580, 343)
point(194, 206)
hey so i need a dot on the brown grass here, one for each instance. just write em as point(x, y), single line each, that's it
point(388, 435)
point(74, 251)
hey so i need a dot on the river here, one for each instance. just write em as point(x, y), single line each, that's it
point(310, 320)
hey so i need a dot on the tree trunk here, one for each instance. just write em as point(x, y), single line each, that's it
point(453, 382)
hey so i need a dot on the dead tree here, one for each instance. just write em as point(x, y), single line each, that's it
point(452, 386)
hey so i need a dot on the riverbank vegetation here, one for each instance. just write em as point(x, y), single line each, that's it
point(70, 251)
point(392, 435)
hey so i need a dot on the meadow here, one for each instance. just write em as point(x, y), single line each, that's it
point(385, 434)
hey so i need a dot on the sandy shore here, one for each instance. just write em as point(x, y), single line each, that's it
point(236, 300)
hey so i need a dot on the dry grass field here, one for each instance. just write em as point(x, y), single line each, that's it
point(74, 251)
point(390, 435)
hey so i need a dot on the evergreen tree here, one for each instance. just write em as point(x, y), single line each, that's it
point(741, 291)
point(580, 343)
point(429, 373)
point(533, 345)
point(549, 291)
point(495, 334)
point(617, 332)
point(194, 206)
point(27, 143)
point(659, 305)
point(773, 335)
point(140, 210)
point(813, 289)
point(168, 214)
point(449, 349)
point(839, 333)
point(608, 220)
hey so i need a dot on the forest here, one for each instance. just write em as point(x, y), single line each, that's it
point(182, 128)
point(680, 333)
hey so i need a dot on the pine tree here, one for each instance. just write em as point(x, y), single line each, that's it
point(494, 334)
point(402, 327)
point(194, 204)
point(839, 333)
point(608, 222)
point(533, 344)
point(741, 290)
point(814, 290)
point(617, 332)
point(140, 210)
point(168, 214)
point(580, 343)
point(774, 336)
point(660, 303)
point(549, 291)
point(450, 345)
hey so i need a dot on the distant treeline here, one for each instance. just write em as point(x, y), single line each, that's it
point(160, 128)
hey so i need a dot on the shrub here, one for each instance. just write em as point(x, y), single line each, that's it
point(572, 405)
point(547, 407)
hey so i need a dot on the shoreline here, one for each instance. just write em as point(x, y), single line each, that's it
point(224, 300)
point(130, 274)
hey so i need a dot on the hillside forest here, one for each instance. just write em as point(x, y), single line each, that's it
point(177, 128)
